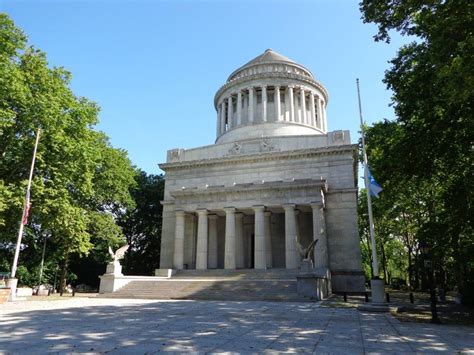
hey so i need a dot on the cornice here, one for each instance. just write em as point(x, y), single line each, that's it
point(259, 157)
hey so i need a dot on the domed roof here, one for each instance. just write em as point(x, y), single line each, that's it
point(268, 57)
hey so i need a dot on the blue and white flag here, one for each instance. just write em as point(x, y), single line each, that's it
point(374, 187)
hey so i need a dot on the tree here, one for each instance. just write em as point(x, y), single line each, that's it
point(432, 79)
point(142, 225)
point(81, 184)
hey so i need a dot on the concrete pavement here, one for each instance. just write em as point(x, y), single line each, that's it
point(147, 326)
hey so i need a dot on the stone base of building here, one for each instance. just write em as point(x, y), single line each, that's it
point(348, 281)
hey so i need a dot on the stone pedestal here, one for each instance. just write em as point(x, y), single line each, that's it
point(12, 284)
point(114, 268)
point(306, 266)
point(378, 303)
point(312, 286)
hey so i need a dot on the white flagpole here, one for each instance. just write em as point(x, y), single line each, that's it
point(20, 231)
point(375, 265)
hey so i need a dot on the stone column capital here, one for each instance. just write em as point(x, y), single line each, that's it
point(267, 213)
point(291, 87)
point(179, 213)
point(289, 206)
point(239, 215)
point(277, 87)
point(229, 210)
point(258, 208)
point(250, 88)
point(201, 211)
point(315, 205)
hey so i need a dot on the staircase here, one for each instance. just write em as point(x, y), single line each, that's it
point(232, 285)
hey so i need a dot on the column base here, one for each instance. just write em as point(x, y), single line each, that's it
point(12, 284)
point(378, 291)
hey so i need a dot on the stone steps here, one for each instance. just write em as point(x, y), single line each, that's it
point(238, 285)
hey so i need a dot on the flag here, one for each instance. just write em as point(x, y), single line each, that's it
point(374, 187)
point(26, 212)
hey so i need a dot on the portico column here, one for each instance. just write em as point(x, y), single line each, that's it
point(251, 94)
point(212, 252)
point(292, 103)
point(218, 128)
point(303, 106)
point(313, 113)
point(201, 247)
point(229, 255)
point(320, 113)
point(291, 256)
point(276, 99)
point(223, 116)
point(239, 108)
point(239, 240)
point(321, 259)
point(178, 257)
point(260, 247)
point(268, 239)
point(230, 112)
point(264, 103)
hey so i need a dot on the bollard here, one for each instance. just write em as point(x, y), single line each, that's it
point(73, 292)
point(345, 297)
point(412, 299)
point(366, 297)
point(387, 297)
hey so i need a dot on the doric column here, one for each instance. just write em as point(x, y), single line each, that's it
point(268, 239)
point(320, 113)
point(260, 250)
point(218, 128)
point(292, 103)
point(313, 112)
point(229, 255)
point(230, 112)
point(303, 106)
point(324, 120)
point(264, 103)
point(321, 259)
point(201, 246)
point(251, 96)
point(239, 240)
point(222, 116)
point(291, 256)
point(239, 108)
point(276, 99)
point(178, 258)
point(212, 252)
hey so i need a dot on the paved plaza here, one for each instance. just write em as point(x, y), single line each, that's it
point(145, 326)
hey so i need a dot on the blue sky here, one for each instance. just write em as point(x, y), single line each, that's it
point(154, 66)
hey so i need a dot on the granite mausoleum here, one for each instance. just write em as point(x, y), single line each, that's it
point(274, 177)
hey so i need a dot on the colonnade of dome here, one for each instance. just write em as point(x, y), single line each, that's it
point(288, 103)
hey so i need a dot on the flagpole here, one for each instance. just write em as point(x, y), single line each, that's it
point(25, 207)
point(375, 265)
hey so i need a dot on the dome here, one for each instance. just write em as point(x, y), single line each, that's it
point(269, 57)
point(271, 95)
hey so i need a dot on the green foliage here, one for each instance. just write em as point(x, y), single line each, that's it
point(81, 184)
point(142, 225)
point(424, 159)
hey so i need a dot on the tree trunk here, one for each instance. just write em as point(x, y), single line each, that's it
point(63, 277)
point(410, 269)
